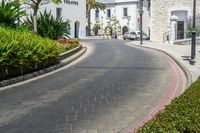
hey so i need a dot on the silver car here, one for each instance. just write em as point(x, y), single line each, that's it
point(145, 36)
point(130, 35)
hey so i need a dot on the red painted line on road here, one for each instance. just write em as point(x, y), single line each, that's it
point(168, 94)
point(182, 83)
point(176, 84)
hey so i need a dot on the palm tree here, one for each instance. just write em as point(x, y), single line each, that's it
point(35, 4)
point(10, 12)
point(149, 4)
point(92, 4)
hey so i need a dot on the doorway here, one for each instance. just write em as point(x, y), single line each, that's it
point(180, 30)
point(76, 29)
point(124, 30)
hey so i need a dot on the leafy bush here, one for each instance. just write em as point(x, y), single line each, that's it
point(22, 52)
point(189, 29)
point(96, 28)
point(10, 13)
point(181, 116)
point(50, 27)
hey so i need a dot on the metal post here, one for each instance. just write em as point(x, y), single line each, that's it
point(149, 32)
point(141, 21)
point(193, 46)
point(102, 32)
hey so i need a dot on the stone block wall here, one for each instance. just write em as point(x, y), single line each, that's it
point(160, 15)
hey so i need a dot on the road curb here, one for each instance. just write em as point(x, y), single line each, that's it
point(70, 52)
point(64, 60)
point(185, 70)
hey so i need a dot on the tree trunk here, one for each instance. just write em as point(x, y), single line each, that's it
point(35, 21)
point(89, 26)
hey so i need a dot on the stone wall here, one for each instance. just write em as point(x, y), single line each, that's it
point(160, 14)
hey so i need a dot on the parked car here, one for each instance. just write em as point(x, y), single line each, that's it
point(130, 35)
point(145, 36)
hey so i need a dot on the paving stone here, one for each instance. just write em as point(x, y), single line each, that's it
point(100, 94)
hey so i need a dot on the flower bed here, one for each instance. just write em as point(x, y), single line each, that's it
point(67, 44)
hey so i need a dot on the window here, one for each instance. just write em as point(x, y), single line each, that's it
point(108, 13)
point(125, 12)
point(97, 14)
point(58, 12)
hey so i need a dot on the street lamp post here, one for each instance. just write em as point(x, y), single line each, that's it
point(141, 21)
point(193, 46)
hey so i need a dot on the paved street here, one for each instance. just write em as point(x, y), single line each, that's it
point(106, 92)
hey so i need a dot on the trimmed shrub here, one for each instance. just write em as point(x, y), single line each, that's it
point(181, 116)
point(22, 52)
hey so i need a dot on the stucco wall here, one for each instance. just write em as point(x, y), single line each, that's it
point(117, 10)
point(71, 12)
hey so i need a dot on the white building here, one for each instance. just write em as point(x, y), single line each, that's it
point(73, 10)
point(125, 12)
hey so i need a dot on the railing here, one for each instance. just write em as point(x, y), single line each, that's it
point(181, 37)
point(185, 35)
point(184, 38)
point(186, 41)
point(166, 37)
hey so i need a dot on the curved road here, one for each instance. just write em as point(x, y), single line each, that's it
point(106, 92)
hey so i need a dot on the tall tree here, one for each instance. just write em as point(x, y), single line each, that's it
point(34, 5)
point(92, 4)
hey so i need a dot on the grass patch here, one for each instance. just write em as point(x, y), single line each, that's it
point(22, 52)
point(181, 116)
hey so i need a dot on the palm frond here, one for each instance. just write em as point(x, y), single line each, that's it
point(10, 12)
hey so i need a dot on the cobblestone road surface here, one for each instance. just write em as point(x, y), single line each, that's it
point(105, 93)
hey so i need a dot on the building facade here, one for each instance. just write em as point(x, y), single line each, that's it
point(122, 15)
point(169, 19)
point(73, 10)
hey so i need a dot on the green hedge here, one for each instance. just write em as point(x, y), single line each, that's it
point(22, 52)
point(181, 116)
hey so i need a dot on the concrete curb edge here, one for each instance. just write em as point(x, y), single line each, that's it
point(185, 70)
point(78, 50)
point(70, 52)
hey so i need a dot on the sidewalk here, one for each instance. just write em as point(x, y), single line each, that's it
point(182, 54)
point(96, 37)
